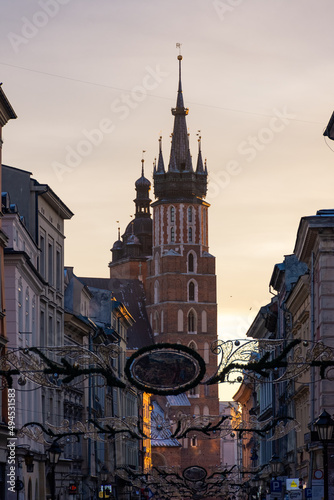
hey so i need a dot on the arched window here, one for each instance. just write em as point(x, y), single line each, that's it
point(206, 413)
point(192, 322)
point(156, 323)
point(190, 263)
point(191, 291)
point(172, 234)
point(190, 214)
point(156, 292)
point(162, 322)
point(156, 264)
point(197, 411)
point(193, 441)
point(192, 345)
point(172, 214)
point(204, 322)
point(190, 235)
point(206, 352)
point(180, 320)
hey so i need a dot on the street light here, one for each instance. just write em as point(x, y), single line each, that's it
point(325, 425)
point(53, 454)
point(104, 473)
point(275, 465)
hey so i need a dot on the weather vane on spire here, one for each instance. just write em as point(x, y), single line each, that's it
point(178, 46)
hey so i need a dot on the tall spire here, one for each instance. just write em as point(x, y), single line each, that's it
point(180, 140)
point(180, 180)
point(199, 168)
point(161, 166)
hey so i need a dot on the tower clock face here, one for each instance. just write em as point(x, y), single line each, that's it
point(165, 369)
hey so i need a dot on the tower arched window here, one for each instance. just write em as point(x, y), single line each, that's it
point(156, 323)
point(172, 214)
point(192, 321)
point(191, 263)
point(206, 352)
point(192, 289)
point(204, 322)
point(190, 234)
point(172, 234)
point(156, 264)
point(190, 214)
point(180, 320)
point(156, 292)
point(192, 345)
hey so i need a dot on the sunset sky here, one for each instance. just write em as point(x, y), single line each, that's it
point(92, 84)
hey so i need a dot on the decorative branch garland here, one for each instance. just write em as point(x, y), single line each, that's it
point(73, 371)
point(261, 367)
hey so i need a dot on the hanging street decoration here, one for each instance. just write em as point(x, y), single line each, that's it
point(261, 358)
point(165, 369)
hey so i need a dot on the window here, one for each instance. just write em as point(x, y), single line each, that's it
point(193, 442)
point(180, 320)
point(192, 323)
point(50, 331)
point(156, 292)
point(33, 321)
point(190, 263)
point(190, 214)
point(20, 305)
point(204, 322)
point(190, 235)
point(42, 339)
point(156, 323)
point(172, 234)
point(191, 291)
point(50, 262)
point(156, 264)
point(192, 345)
point(27, 312)
point(42, 254)
point(172, 214)
point(59, 269)
point(206, 352)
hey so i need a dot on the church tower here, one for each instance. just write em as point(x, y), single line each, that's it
point(181, 280)
point(130, 253)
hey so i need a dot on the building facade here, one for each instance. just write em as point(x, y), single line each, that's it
point(34, 218)
point(6, 113)
point(300, 312)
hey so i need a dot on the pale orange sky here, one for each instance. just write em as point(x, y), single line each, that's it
point(257, 78)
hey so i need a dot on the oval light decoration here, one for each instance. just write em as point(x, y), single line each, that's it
point(165, 369)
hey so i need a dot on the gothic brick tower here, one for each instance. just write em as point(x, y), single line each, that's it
point(181, 280)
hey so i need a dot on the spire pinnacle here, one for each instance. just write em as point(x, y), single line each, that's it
point(161, 166)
